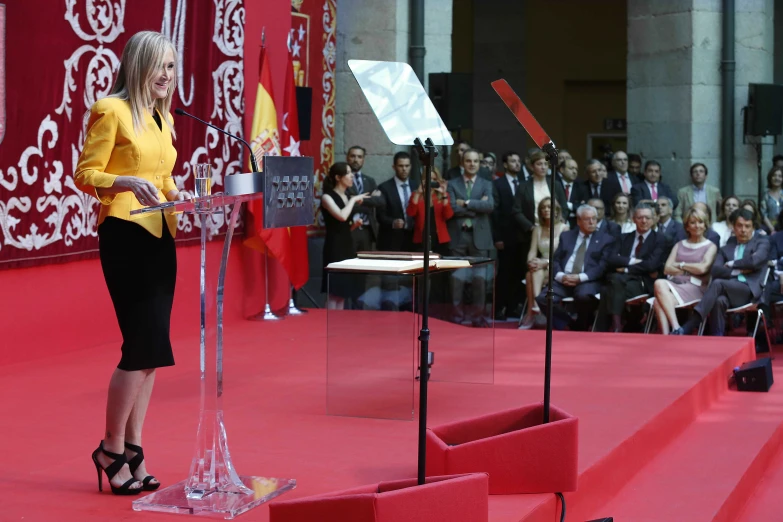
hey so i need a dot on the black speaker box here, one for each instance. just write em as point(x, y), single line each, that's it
point(304, 106)
point(452, 96)
point(765, 110)
point(754, 375)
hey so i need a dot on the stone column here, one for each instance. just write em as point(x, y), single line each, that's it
point(379, 30)
point(674, 84)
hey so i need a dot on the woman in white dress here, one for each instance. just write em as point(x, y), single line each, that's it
point(722, 225)
point(538, 256)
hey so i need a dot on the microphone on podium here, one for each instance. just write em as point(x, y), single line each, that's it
point(253, 163)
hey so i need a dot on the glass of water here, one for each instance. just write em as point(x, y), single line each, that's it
point(203, 185)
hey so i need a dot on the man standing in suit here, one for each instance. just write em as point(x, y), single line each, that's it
point(698, 192)
point(470, 230)
point(395, 228)
point(620, 172)
point(579, 264)
point(575, 193)
point(633, 267)
point(365, 235)
point(737, 275)
point(635, 168)
point(455, 172)
point(512, 259)
point(673, 230)
point(595, 185)
point(651, 187)
point(604, 226)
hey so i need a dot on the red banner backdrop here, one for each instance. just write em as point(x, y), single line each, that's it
point(66, 55)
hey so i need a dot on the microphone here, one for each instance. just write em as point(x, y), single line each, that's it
point(253, 163)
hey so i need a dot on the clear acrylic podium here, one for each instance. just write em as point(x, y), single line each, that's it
point(213, 485)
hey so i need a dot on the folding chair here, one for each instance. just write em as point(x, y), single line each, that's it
point(690, 305)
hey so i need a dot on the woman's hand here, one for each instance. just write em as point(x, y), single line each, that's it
point(359, 198)
point(356, 223)
point(533, 265)
point(144, 190)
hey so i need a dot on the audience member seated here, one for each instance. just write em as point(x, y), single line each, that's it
point(603, 226)
point(697, 192)
point(621, 213)
point(723, 226)
point(773, 293)
point(652, 187)
point(440, 213)
point(635, 168)
point(633, 267)
point(758, 222)
point(687, 269)
point(538, 256)
point(772, 203)
point(737, 275)
point(579, 264)
point(710, 233)
point(671, 228)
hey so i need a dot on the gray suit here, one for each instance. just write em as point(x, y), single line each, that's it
point(685, 195)
point(464, 240)
point(471, 238)
point(726, 290)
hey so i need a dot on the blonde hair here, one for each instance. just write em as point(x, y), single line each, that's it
point(697, 214)
point(141, 61)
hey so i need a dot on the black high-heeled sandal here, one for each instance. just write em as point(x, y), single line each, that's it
point(134, 464)
point(113, 469)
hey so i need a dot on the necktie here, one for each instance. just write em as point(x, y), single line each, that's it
point(654, 192)
point(741, 252)
point(663, 227)
point(468, 190)
point(359, 184)
point(568, 191)
point(406, 194)
point(596, 191)
point(516, 186)
point(625, 184)
point(638, 247)
point(579, 260)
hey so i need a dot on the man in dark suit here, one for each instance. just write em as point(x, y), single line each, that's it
point(512, 258)
point(635, 168)
point(395, 228)
point(651, 187)
point(596, 186)
point(575, 192)
point(633, 267)
point(471, 233)
point(620, 172)
point(365, 235)
point(455, 172)
point(579, 264)
point(604, 226)
point(737, 275)
point(673, 230)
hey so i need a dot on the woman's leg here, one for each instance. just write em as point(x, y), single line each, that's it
point(667, 302)
point(537, 285)
point(135, 422)
point(124, 388)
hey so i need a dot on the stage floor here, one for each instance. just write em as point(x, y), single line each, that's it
point(632, 393)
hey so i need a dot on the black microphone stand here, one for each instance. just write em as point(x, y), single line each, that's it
point(427, 153)
point(253, 163)
point(551, 151)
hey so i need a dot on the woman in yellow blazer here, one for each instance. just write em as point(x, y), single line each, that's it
point(126, 164)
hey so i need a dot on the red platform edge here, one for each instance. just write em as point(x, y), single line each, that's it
point(455, 498)
point(518, 451)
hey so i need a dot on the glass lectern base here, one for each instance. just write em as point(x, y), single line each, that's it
point(174, 499)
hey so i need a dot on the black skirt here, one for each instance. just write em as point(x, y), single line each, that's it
point(140, 271)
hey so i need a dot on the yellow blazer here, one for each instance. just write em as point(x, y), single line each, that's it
point(112, 148)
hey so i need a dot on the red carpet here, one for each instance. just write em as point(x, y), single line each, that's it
point(652, 414)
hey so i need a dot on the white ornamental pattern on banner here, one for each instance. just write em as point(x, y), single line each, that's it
point(69, 213)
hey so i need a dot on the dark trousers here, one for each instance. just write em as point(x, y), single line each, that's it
point(465, 247)
point(618, 289)
point(512, 261)
point(584, 304)
point(362, 239)
point(721, 295)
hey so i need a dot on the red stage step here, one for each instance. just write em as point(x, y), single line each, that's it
point(709, 471)
point(766, 503)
